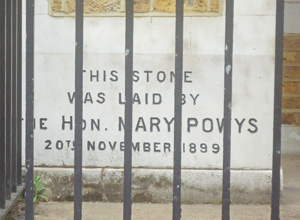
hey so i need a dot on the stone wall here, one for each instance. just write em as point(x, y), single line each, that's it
point(154, 7)
point(291, 80)
point(154, 63)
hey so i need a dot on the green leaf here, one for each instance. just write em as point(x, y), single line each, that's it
point(38, 190)
point(41, 188)
point(43, 196)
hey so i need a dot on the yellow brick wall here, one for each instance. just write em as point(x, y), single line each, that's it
point(151, 7)
point(291, 80)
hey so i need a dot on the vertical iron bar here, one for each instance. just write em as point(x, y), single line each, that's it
point(2, 105)
point(227, 108)
point(8, 99)
point(29, 108)
point(127, 209)
point(78, 110)
point(14, 98)
point(275, 207)
point(19, 93)
point(178, 111)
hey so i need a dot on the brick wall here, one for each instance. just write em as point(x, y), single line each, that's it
point(291, 80)
point(151, 7)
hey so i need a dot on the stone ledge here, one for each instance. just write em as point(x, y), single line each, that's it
point(155, 185)
point(141, 7)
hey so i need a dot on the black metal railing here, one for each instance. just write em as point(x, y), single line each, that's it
point(10, 103)
point(178, 110)
point(228, 72)
point(275, 208)
point(127, 204)
point(227, 108)
point(78, 111)
point(29, 111)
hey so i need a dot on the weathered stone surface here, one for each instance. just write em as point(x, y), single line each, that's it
point(111, 5)
point(155, 186)
point(60, 184)
point(70, 6)
point(189, 5)
point(94, 6)
point(141, 6)
point(215, 5)
point(195, 5)
point(164, 5)
point(57, 6)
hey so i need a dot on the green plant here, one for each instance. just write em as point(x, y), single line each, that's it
point(38, 190)
point(217, 202)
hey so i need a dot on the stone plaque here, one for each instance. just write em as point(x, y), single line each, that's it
point(202, 100)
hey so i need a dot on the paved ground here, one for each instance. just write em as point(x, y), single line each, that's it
point(290, 208)
point(106, 211)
